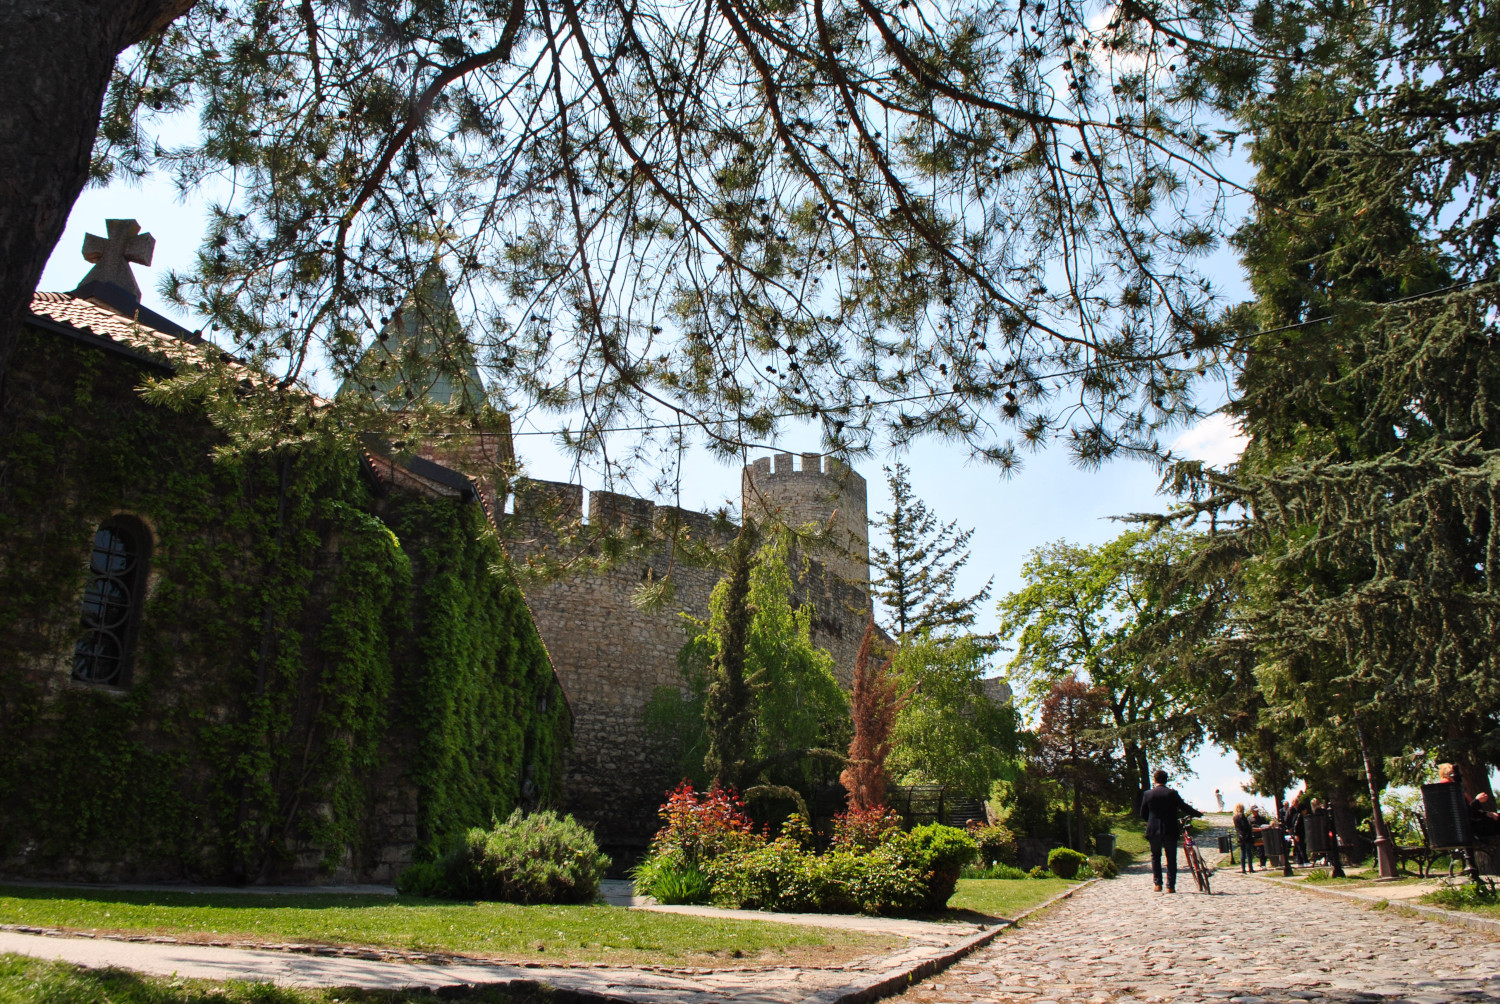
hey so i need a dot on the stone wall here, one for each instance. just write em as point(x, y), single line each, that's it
point(611, 657)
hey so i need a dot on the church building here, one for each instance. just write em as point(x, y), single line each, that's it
point(310, 664)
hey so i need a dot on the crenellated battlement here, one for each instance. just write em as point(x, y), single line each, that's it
point(535, 500)
point(812, 488)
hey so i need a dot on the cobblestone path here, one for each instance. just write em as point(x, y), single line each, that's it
point(1252, 942)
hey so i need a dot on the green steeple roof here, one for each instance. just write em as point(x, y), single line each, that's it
point(423, 352)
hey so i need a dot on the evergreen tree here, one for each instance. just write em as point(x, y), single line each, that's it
point(729, 705)
point(915, 575)
point(740, 218)
point(770, 701)
point(1353, 550)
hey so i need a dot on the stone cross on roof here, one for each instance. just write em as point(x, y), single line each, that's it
point(112, 256)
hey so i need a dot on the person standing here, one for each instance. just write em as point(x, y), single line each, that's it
point(1162, 809)
point(1259, 822)
point(1246, 832)
point(1291, 822)
point(1219, 797)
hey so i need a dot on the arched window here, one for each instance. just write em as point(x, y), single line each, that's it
point(112, 602)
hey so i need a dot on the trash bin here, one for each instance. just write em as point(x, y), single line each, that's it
point(1226, 844)
point(1315, 828)
point(1104, 844)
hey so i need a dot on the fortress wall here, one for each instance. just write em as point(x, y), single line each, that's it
point(611, 657)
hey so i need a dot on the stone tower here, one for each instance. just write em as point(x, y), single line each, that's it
point(816, 490)
point(821, 490)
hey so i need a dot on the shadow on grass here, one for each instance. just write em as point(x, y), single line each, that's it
point(23, 978)
point(220, 900)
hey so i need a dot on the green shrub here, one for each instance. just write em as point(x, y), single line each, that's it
point(671, 879)
point(540, 858)
point(890, 880)
point(778, 876)
point(1103, 867)
point(1039, 872)
point(992, 872)
point(1064, 862)
point(425, 878)
point(997, 844)
point(943, 851)
point(782, 876)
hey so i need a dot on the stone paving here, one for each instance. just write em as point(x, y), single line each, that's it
point(1252, 942)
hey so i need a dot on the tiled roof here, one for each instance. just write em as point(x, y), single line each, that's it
point(90, 318)
point(87, 316)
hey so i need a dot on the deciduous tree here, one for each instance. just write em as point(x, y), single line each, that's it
point(950, 732)
point(1073, 747)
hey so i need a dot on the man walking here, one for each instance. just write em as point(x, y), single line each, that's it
point(1162, 809)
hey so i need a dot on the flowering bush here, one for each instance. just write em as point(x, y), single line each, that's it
point(700, 827)
point(997, 844)
point(861, 830)
point(708, 847)
point(697, 830)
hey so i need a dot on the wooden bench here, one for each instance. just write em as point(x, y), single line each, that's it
point(1422, 855)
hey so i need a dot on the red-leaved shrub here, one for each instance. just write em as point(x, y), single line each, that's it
point(861, 830)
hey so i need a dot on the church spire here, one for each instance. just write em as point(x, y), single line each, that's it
point(422, 353)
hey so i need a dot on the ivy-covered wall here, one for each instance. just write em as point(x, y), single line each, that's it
point(325, 684)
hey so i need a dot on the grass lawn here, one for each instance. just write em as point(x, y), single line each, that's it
point(492, 930)
point(1130, 839)
point(32, 980)
point(1466, 898)
point(1004, 897)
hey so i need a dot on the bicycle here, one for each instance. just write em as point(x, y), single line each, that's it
point(1195, 863)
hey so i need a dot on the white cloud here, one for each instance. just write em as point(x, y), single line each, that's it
point(1216, 440)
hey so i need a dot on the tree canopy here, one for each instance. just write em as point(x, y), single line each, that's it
point(1083, 612)
point(949, 732)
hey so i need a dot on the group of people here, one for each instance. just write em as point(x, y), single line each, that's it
point(1164, 811)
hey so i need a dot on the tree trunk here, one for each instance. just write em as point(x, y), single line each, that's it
point(1140, 771)
point(56, 57)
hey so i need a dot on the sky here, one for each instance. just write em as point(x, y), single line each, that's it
point(1047, 500)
